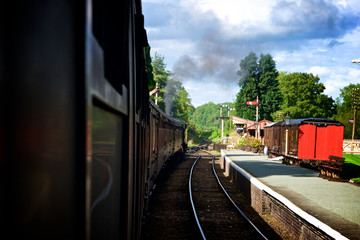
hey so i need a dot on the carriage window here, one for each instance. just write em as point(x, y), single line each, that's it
point(106, 135)
point(110, 27)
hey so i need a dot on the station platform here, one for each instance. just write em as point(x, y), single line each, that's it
point(333, 207)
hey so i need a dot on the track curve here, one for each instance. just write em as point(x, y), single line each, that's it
point(170, 213)
point(230, 223)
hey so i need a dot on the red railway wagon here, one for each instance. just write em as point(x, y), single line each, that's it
point(309, 140)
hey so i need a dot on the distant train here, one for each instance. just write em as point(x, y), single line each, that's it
point(308, 141)
point(80, 143)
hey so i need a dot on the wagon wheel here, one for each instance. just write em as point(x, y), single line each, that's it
point(335, 174)
point(313, 163)
point(328, 173)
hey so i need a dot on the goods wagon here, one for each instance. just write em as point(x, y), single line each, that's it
point(309, 140)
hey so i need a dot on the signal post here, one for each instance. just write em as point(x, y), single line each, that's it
point(257, 132)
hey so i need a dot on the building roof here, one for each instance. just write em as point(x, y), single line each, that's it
point(249, 123)
point(313, 121)
point(262, 123)
point(237, 120)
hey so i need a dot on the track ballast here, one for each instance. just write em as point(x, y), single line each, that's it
point(171, 214)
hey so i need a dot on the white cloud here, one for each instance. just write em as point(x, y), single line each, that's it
point(210, 37)
point(202, 93)
point(317, 70)
point(339, 79)
point(238, 12)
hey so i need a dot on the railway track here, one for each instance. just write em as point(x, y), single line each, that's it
point(216, 214)
point(171, 213)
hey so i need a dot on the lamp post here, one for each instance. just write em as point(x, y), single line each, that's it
point(287, 118)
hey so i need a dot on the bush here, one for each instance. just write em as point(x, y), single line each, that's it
point(244, 141)
point(249, 142)
point(254, 143)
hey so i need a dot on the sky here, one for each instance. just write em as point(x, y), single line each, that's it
point(203, 41)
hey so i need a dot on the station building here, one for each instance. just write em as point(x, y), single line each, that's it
point(252, 128)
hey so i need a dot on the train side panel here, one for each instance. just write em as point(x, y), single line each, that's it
point(307, 136)
point(322, 143)
point(329, 141)
point(166, 140)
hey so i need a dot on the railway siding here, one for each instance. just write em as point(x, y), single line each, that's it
point(295, 198)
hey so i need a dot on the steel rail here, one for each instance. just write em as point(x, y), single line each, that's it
point(191, 198)
point(228, 196)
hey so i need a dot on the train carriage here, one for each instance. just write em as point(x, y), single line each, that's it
point(309, 141)
point(80, 141)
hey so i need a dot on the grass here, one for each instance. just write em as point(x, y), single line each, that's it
point(351, 168)
point(215, 152)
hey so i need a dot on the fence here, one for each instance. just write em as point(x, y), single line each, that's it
point(350, 146)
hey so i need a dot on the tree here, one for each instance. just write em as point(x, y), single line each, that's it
point(303, 96)
point(161, 76)
point(269, 91)
point(207, 117)
point(248, 86)
point(173, 99)
point(182, 105)
point(258, 78)
point(149, 68)
point(345, 111)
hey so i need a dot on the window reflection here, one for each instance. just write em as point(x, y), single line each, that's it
point(105, 173)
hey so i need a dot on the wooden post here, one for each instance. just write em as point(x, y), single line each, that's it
point(356, 102)
point(353, 131)
point(257, 131)
point(257, 108)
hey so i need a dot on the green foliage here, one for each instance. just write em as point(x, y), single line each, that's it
point(173, 99)
point(207, 122)
point(345, 111)
point(351, 168)
point(161, 76)
point(244, 141)
point(303, 96)
point(258, 77)
point(182, 105)
point(254, 143)
point(196, 137)
point(249, 142)
point(204, 116)
point(149, 68)
point(207, 117)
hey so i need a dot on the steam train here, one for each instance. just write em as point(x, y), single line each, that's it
point(80, 142)
point(308, 141)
